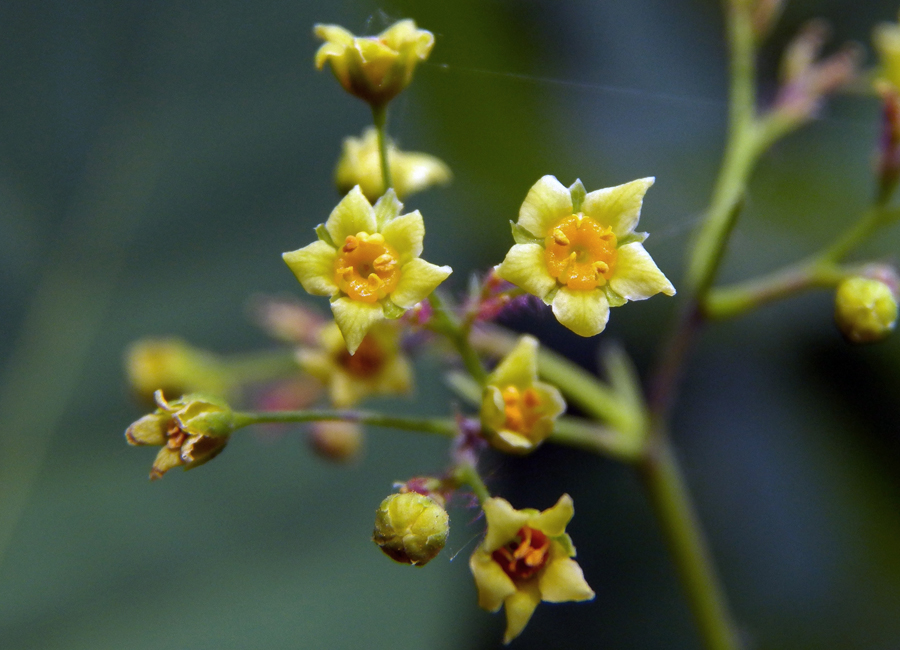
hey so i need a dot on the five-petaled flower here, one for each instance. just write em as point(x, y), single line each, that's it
point(411, 172)
point(579, 253)
point(374, 68)
point(378, 367)
point(191, 431)
point(517, 410)
point(367, 260)
point(526, 557)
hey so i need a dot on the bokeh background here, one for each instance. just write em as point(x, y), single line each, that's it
point(156, 159)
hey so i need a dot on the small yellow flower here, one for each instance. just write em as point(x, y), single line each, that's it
point(378, 367)
point(411, 528)
point(526, 557)
point(191, 431)
point(411, 172)
point(580, 254)
point(367, 260)
point(886, 38)
point(374, 68)
point(517, 410)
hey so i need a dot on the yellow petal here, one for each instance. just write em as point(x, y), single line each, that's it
point(329, 51)
point(333, 34)
point(525, 267)
point(618, 207)
point(553, 521)
point(563, 581)
point(314, 267)
point(494, 586)
point(547, 202)
point(355, 319)
point(166, 459)
point(512, 442)
point(583, 312)
point(419, 278)
point(352, 215)
point(149, 430)
point(637, 277)
point(519, 367)
point(519, 608)
point(405, 234)
point(503, 522)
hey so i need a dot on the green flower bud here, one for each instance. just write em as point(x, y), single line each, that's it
point(411, 528)
point(865, 309)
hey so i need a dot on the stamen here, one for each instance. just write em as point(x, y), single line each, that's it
point(560, 237)
point(351, 244)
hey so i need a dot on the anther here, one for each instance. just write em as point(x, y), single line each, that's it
point(384, 263)
point(560, 237)
point(351, 244)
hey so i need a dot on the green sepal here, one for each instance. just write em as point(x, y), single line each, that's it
point(578, 193)
point(614, 299)
point(323, 234)
point(566, 542)
point(633, 237)
point(522, 236)
point(392, 311)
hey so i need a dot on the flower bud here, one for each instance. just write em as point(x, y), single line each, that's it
point(865, 309)
point(411, 528)
point(336, 440)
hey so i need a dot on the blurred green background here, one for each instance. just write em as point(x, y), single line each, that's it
point(156, 159)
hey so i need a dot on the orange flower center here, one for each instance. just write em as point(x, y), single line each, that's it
point(521, 408)
point(366, 268)
point(580, 253)
point(525, 555)
point(175, 436)
point(366, 362)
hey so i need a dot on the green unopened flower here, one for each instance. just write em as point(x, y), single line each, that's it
point(526, 557)
point(378, 367)
point(174, 367)
point(886, 38)
point(517, 410)
point(411, 172)
point(865, 309)
point(580, 253)
point(411, 528)
point(367, 260)
point(374, 68)
point(191, 431)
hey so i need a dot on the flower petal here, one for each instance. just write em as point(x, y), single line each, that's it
point(637, 277)
point(618, 207)
point(553, 521)
point(562, 581)
point(494, 586)
point(352, 215)
point(149, 430)
point(314, 267)
point(328, 51)
point(419, 278)
point(519, 367)
point(503, 522)
point(525, 267)
point(333, 34)
point(513, 442)
point(405, 234)
point(583, 312)
point(165, 460)
point(355, 318)
point(387, 207)
point(519, 608)
point(547, 202)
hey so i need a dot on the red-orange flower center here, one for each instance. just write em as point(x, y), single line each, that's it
point(525, 555)
point(521, 408)
point(366, 268)
point(580, 253)
point(368, 360)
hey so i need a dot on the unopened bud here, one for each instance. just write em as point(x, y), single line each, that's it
point(411, 528)
point(865, 309)
point(336, 440)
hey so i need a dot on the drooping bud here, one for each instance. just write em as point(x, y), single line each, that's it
point(336, 440)
point(411, 528)
point(865, 309)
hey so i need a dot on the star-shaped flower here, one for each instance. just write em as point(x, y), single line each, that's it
point(526, 557)
point(367, 260)
point(579, 252)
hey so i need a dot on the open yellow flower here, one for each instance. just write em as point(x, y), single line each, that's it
point(886, 38)
point(377, 368)
point(374, 68)
point(517, 410)
point(411, 172)
point(579, 252)
point(526, 557)
point(367, 260)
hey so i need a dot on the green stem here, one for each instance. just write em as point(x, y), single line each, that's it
point(589, 436)
point(437, 426)
point(670, 499)
point(379, 117)
point(446, 323)
point(467, 474)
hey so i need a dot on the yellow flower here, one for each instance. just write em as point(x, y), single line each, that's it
point(377, 367)
point(411, 172)
point(865, 309)
point(887, 41)
point(411, 528)
point(526, 557)
point(517, 411)
point(374, 68)
point(580, 254)
point(367, 261)
point(191, 431)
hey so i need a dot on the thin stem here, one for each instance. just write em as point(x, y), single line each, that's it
point(446, 323)
point(437, 426)
point(670, 499)
point(379, 117)
point(582, 434)
point(467, 474)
